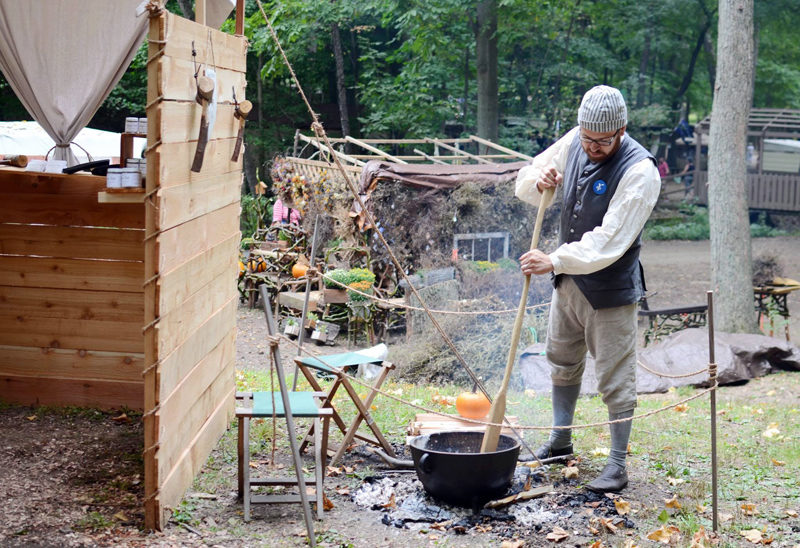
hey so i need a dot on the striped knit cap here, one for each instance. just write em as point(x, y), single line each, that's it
point(602, 110)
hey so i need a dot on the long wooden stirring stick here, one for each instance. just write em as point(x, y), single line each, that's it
point(492, 434)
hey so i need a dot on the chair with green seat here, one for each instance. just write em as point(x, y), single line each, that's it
point(339, 365)
point(260, 405)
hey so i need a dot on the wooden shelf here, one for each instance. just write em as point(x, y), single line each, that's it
point(126, 146)
point(121, 196)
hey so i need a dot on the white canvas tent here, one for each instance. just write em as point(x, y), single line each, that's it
point(30, 139)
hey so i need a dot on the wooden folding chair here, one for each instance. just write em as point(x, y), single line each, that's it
point(302, 404)
point(337, 365)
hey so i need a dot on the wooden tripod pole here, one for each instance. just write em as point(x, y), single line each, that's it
point(492, 434)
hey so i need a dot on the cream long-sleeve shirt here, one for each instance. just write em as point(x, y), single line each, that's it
point(628, 210)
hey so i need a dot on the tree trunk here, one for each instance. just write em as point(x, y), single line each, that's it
point(643, 62)
point(341, 90)
point(486, 62)
point(711, 64)
point(689, 74)
point(731, 255)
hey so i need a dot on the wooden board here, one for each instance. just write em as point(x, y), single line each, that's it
point(429, 423)
point(218, 329)
point(184, 242)
point(65, 200)
point(179, 284)
point(179, 122)
point(182, 203)
point(79, 392)
point(193, 457)
point(71, 364)
point(295, 299)
point(193, 401)
point(177, 81)
point(72, 242)
point(215, 48)
point(30, 330)
point(169, 161)
point(114, 276)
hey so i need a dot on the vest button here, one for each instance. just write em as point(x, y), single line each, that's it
point(578, 202)
point(572, 230)
point(574, 215)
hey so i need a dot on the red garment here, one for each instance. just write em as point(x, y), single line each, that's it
point(663, 169)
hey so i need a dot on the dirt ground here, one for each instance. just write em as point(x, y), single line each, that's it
point(74, 477)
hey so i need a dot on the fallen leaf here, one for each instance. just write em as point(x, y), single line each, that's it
point(31, 418)
point(391, 504)
point(121, 418)
point(672, 503)
point(557, 535)
point(682, 408)
point(119, 516)
point(749, 509)
point(343, 491)
point(332, 471)
point(596, 544)
point(530, 393)
point(723, 517)
point(758, 411)
point(623, 507)
point(608, 525)
point(771, 431)
point(631, 544)
point(326, 503)
point(777, 462)
point(373, 407)
point(771, 393)
point(441, 526)
point(483, 528)
point(594, 530)
point(532, 464)
point(752, 535)
point(674, 481)
point(791, 513)
point(664, 533)
point(768, 540)
point(433, 537)
point(701, 539)
point(570, 472)
point(601, 452)
point(512, 544)
point(349, 469)
point(700, 509)
point(528, 483)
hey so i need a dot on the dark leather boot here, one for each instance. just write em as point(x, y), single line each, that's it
point(612, 479)
point(546, 451)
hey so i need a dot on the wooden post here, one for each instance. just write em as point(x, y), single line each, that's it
point(239, 17)
point(200, 12)
point(712, 377)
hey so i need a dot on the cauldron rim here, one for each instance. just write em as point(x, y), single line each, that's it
point(415, 443)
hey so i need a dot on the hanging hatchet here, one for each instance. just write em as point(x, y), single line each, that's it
point(205, 92)
point(241, 112)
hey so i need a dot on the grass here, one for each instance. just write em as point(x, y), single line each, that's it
point(758, 471)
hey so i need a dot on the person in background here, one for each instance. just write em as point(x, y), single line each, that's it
point(687, 177)
point(663, 168)
point(610, 185)
point(282, 213)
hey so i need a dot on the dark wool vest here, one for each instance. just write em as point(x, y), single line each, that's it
point(588, 189)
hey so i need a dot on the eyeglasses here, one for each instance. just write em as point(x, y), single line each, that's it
point(601, 142)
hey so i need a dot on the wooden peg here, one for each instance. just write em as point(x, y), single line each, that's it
point(17, 161)
point(205, 92)
point(241, 112)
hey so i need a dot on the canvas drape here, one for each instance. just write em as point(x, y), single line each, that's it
point(63, 58)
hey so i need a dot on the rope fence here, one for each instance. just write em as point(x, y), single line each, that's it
point(321, 358)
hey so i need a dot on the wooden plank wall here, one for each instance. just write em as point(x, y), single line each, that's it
point(71, 296)
point(770, 191)
point(191, 251)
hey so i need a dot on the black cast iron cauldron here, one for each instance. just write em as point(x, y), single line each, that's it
point(452, 468)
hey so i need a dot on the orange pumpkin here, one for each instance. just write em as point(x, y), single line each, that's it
point(242, 268)
point(299, 270)
point(256, 264)
point(472, 405)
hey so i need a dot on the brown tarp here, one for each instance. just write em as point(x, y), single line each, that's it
point(429, 177)
point(739, 357)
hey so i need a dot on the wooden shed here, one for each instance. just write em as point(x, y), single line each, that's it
point(773, 179)
point(130, 300)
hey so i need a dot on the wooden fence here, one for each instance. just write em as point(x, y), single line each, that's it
point(769, 191)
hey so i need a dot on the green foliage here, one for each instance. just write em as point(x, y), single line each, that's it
point(480, 266)
point(256, 214)
point(693, 225)
point(346, 277)
point(94, 521)
point(760, 229)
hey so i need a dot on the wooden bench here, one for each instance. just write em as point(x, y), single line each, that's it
point(663, 321)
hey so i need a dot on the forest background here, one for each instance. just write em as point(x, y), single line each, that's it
point(403, 69)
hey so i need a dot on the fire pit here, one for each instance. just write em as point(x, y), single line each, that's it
point(452, 468)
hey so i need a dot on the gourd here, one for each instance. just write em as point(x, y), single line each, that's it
point(299, 270)
point(472, 405)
